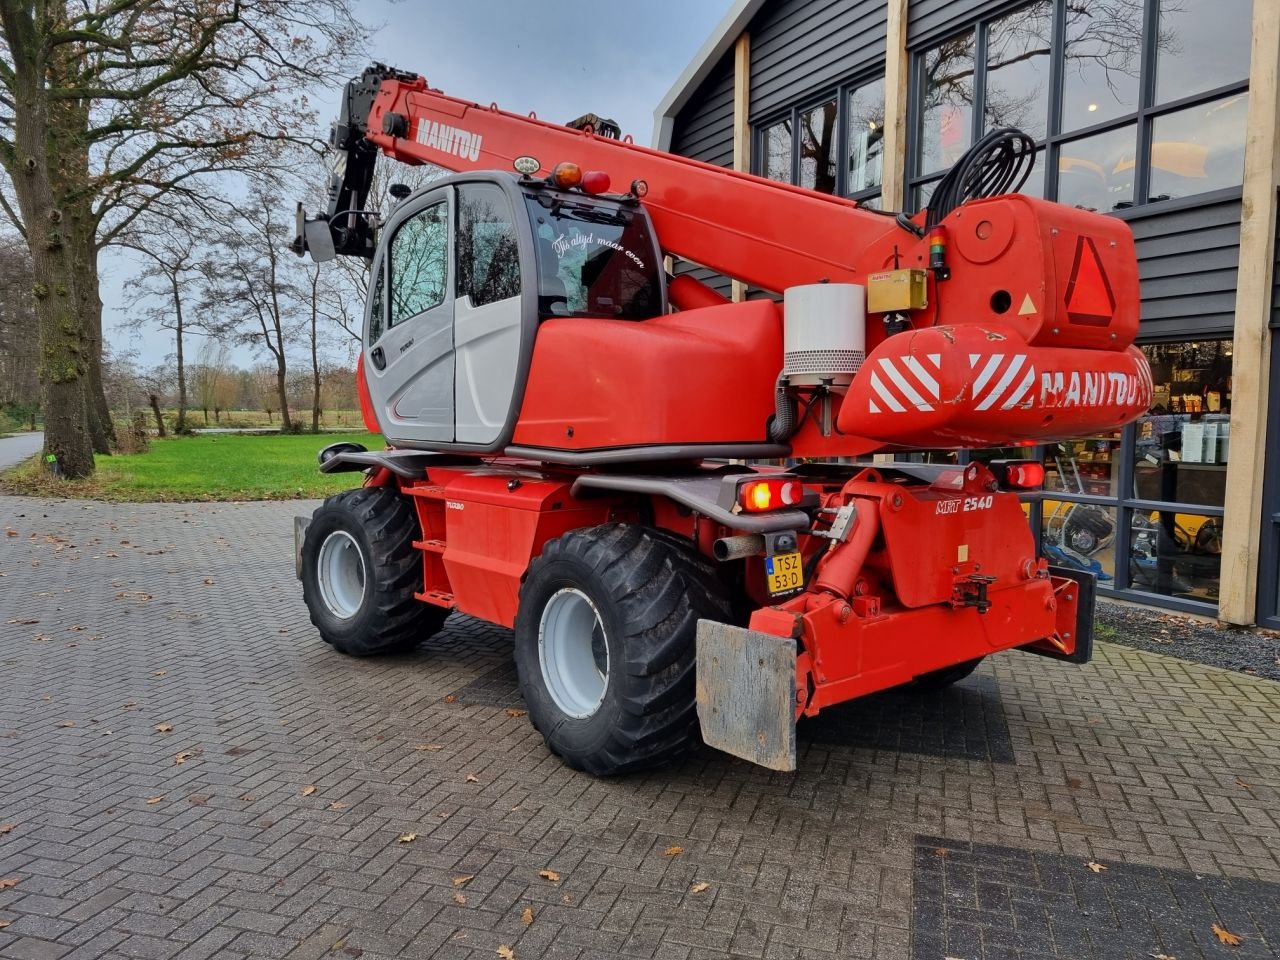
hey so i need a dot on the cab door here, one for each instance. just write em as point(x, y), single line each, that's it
point(488, 313)
point(408, 340)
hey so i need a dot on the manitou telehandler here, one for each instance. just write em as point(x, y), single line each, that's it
point(569, 429)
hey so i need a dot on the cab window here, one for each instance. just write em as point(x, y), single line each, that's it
point(488, 251)
point(594, 260)
point(419, 263)
point(378, 301)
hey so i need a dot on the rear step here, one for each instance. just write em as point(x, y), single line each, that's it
point(437, 598)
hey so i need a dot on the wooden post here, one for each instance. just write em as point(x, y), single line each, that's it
point(894, 176)
point(1241, 528)
point(741, 128)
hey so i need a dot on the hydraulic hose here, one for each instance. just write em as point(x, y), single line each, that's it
point(786, 418)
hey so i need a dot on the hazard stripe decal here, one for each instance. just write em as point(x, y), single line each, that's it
point(900, 384)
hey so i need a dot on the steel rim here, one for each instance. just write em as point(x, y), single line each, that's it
point(342, 574)
point(573, 653)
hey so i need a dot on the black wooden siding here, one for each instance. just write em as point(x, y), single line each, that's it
point(802, 49)
point(1188, 260)
point(929, 20)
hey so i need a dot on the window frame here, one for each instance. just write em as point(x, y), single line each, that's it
point(840, 94)
point(1050, 148)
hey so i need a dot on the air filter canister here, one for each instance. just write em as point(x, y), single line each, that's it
point(824, 333)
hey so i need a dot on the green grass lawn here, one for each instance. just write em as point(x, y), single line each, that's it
point(222, 467)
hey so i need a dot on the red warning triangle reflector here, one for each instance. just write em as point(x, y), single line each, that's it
point(1089, 298)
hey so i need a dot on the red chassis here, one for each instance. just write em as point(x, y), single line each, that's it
point(917, 569)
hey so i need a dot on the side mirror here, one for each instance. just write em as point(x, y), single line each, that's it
point(318, 240)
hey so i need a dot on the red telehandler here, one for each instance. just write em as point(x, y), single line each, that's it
point(568, 426)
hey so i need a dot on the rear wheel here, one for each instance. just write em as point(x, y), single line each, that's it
point(360, 571)
point(604, 646)
point(937, 680)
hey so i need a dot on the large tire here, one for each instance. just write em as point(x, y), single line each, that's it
point(937, 680)
point(604, 646)
point(360, 571)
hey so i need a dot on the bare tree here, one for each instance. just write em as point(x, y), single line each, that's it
point(253, 287)
point(211, 375)
point(19, 387)
point(111, 109)
point(169, 284)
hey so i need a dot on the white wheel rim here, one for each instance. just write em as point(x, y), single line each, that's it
point(573, 653)
point(341, 574)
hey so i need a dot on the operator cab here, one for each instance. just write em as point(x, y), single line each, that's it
point(464, 272)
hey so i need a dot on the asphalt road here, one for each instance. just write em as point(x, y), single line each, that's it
point(15, 449)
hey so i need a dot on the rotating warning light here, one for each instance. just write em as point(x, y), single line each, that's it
point(526, 166)
point(756, 496)
point(566, 175)
point(595, 181)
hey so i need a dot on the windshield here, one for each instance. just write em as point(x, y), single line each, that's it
point(594, 261)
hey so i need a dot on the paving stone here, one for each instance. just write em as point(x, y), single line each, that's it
point(1165, 771)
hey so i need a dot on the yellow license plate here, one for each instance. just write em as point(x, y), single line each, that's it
point(784, 573)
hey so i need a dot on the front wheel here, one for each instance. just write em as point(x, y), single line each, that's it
point(604, 646)
point(360, 571)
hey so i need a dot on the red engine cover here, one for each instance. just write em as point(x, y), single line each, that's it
point(698, 376)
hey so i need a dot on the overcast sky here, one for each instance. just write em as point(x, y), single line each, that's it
point(614, 59)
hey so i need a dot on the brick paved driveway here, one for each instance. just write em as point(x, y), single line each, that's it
point(165, 718)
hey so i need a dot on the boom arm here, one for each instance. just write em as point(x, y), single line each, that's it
point(1024, 332)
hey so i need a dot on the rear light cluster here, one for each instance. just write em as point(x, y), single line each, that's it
point(1018, 474)
point(756, 496)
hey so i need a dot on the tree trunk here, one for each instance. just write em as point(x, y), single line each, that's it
point(315, 353)
point(63, 346)
point(89, 304)
point(181, 425)
point(155, 408)
point(286, 421)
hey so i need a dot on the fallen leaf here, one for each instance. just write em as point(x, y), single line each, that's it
point(154, 799)
point(526, 916)
point(5, 923)
point(8, 882)
point(1224, 935)
point(459, 898)
point(506, 953)
point(1096, 867)
point(198, 800)
point(700, 887)
point(67, 723)
point(1161, 956)
point(673, 851)
point(451, 699)
point(939, 851)
point(1241, 783)
point(407, 837)
point(247, 797)
point(566, 899)
point(308, 790)
point(1074, 783)
point(10, 532)
point(472, 778)
point(24, 623)
point(337, 805)
point(549, 875)
point(7, 827)
point(459, 881)
point(164, 728)
point(160, 673)
point(183, 757)
point(428, 746)
point(513, 712)
point(209, 581)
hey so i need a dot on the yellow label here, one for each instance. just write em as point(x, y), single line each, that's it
point(784, 573)
point(962, 553)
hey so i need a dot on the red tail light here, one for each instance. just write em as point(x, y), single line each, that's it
point(1019, 474)
point(756, 496)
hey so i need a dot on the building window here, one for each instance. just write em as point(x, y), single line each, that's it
point(1153, 493)
point(805, 144)
point(1149, 103)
